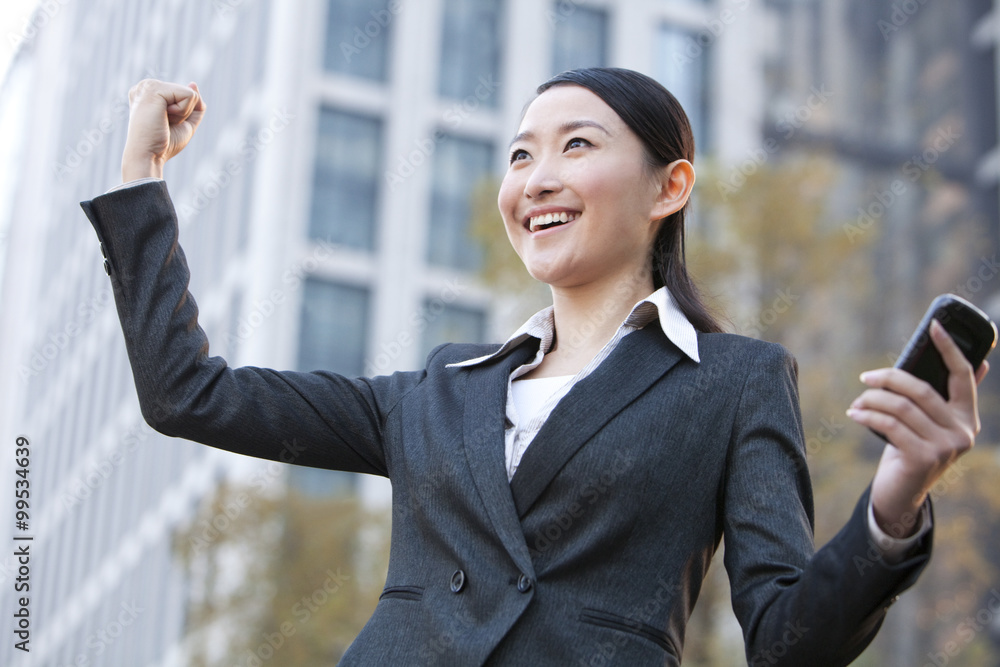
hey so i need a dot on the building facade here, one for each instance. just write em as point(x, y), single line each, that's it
point(910, 123)
point(323, 207)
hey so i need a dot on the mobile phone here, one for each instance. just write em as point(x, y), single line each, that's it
point(971, 329)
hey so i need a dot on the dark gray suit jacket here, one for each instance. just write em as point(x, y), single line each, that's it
point(595, 552)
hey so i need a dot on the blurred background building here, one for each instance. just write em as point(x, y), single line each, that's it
point(911, 123)
point(325, 206)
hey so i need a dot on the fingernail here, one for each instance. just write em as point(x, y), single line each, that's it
point(865, 376)
point(852, 413)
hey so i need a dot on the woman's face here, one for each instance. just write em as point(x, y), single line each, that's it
point(575, 159)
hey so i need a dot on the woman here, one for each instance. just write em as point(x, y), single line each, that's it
point(557, 499)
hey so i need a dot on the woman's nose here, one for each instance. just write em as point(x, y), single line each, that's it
point(544, 180)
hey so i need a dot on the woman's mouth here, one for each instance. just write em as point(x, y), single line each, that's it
point(540, 222)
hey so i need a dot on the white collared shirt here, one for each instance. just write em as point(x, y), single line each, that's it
point(521, 429)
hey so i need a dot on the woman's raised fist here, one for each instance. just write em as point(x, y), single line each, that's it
point(162, 119)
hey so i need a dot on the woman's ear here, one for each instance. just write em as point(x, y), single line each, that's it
point(675, 182)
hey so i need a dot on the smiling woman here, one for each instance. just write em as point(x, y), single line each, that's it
point(562, 494)
point(613, 169)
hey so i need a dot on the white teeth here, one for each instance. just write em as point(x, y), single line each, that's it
point(550, 218)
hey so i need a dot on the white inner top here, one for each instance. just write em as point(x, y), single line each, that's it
point(531, 395)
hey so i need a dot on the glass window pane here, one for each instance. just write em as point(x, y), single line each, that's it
point(334, 328)
point(580, 39)
point(470, 50)
point(332, 337)
point(357, 37)
point(683, 66)
point(345, 183)
point(459, 166)
point(451, 324)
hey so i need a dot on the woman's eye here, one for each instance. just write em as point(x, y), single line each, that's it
point(577, 142)
point(518, 154)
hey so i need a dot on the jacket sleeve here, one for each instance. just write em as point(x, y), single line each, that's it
point(317, 419)
point(797, 607)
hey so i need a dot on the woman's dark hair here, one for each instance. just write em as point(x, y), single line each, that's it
point(656, 117)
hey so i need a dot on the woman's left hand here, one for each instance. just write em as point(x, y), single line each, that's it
point(926, 433)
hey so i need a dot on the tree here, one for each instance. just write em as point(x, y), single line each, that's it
point(284, 579)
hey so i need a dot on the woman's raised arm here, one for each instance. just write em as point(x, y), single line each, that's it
point(319, 419)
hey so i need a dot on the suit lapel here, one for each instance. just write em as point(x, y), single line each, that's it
point(640, 359)
point(485, 417)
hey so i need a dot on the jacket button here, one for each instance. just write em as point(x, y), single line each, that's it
point(457, 581)
point(524, 583)
point(107, 267)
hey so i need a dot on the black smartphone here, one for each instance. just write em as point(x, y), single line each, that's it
point(971, 329)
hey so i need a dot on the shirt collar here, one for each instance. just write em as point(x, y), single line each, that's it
point(660, 305)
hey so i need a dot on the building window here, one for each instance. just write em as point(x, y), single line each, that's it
point(683, 66)
point(451, 324)
point(334, 327)
point(332, 337)
point(470, 50)
point(345, 183)
point(459, 167)
point(357, 37)
point(579, 39)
